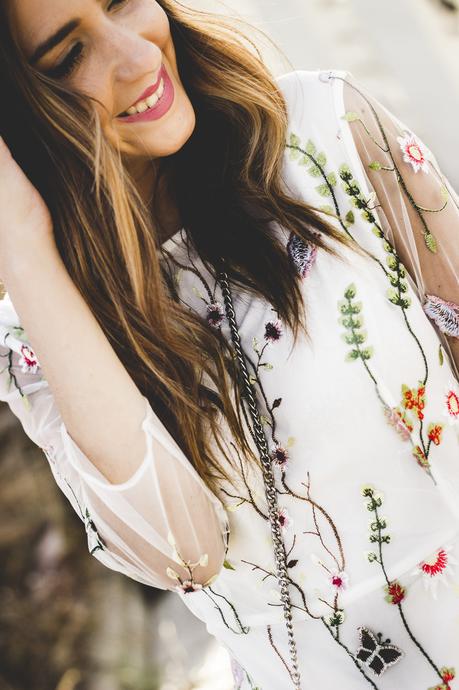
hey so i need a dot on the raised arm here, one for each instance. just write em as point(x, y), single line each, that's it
point(145, 508)
point(417, 206)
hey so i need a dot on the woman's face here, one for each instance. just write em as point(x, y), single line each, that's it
point(122, 49)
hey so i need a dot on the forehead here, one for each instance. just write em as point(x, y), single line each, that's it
point(33, 21)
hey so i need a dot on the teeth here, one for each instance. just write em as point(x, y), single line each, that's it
point(149, 102)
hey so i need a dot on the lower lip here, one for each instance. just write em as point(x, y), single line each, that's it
point(160, 108)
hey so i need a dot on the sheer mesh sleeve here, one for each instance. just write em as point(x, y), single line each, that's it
point(163, 527)
point(415, 202)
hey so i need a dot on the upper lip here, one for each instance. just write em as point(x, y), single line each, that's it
point(151, 89)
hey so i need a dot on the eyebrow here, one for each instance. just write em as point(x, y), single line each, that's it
point(53, 40)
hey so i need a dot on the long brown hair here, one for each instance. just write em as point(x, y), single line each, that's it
point(227, 182)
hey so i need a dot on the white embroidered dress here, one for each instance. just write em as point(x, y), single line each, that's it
point(362, 421)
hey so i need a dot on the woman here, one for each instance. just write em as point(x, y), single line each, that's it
point(151, 150)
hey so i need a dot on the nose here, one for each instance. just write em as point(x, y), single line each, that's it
point(132, 56)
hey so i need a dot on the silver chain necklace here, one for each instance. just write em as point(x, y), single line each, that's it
point(268, 476)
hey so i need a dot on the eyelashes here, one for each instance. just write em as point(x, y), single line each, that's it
point(67, 66)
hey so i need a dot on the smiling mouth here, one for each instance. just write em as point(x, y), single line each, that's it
point(149, 98)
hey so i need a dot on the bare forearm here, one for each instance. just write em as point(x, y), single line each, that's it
point(100, 404)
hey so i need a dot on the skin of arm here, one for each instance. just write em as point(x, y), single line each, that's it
point(101, 406)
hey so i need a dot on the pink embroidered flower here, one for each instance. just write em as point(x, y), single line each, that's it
point(302, 254)
point(28, 360)
point(452, 403)
point(273, 331)
point(444, 314)
point(285, 519)
point(401, 424)
point(215, 314)
point(413, 152)
point(338, 580)
point(437, 568)
point(279, 455)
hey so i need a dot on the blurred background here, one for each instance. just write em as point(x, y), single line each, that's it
point(68, 623)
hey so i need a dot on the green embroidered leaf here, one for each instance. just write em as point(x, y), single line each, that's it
point(440, 354)
point(255, 344)
point(252, 379)
point(331, 178)
point(310, 147)
point(294, 139)
point(227, 564)
point(431, 242)
point(375, 165)
point(315, 171)
point(305, 160)
point(392, 296)
point(367, 352)
point(266, 365)
point(350, 291)
point(321, 159)
point(350, 116)
point(352, 356)
point(376, 231)
point(327, 209)
point(294, 154)
point(391, 261)
point(350, 217)
point(345, 171)
point(323, 189)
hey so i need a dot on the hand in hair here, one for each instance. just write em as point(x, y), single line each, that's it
point(25, 221)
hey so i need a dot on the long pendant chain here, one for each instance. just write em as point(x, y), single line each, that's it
point(268, 476)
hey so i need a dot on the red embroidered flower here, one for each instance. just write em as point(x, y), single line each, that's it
point(188, 586)
point(447, 673)
point(413, 398)
point(395, 592)
point(438, 568)
point(434, 433)
point(420, 457)
point(413, 152)
point(338, 580)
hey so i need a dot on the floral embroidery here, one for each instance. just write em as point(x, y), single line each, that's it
point(413, 152)
point(436, 569)
point(187, 585)
point(452, 403)
point(285, 520)
point(215, 314)
point(395, 592)
point(280, 456)
point(28, 360)
point(376, 653)
point(447, 675)
point(273, 331)
point(301, 254)
point(444, 314)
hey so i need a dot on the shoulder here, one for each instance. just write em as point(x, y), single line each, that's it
point(308, 92)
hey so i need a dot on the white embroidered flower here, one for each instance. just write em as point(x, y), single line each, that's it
point(437, 568)
point(413, 152)
point(338, 580)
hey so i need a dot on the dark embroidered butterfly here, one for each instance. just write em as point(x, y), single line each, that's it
point(375, 653)
point(301, 254)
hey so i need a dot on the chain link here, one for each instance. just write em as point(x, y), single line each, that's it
point(268, 476)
